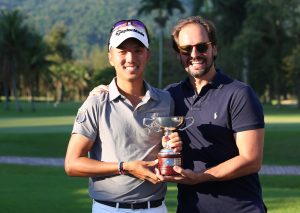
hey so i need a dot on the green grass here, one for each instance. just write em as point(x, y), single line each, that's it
point(282, 135)
point(45, 133)
point(32, 189)
point(282, 146)
point(38, 144)
point(42, 109)
point(41, 189)
point(281, 193)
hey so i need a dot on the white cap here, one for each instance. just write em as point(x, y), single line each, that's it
point(129, 31)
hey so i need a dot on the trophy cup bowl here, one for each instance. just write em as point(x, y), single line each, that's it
point(170, 123)
point(167, 158)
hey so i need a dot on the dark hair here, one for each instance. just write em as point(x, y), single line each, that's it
point(208, 26)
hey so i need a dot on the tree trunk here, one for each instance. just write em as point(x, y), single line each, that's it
point(15, 91)
point(298, 91)
point(6, 93)
point(59, 93)
point(160, 59)
point(6, 82)
point(14, 83)
point(276, 89)
point(32, 93)
point(10, 82)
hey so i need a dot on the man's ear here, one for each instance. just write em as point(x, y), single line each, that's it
point(215, 51)
point(110, 59)
point(148, 55)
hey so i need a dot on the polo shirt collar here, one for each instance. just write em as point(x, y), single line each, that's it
point(150, 92)
point(216, 82)
point(114, 92)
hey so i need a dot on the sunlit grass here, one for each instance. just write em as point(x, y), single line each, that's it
point(281, 193)
point(50, 189)
point(282, 119)
point(36, 121)
point(42, 109)
point(31, 189)
point(45, 133)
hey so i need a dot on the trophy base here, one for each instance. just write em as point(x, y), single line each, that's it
point(167, 171)
point(166, 160)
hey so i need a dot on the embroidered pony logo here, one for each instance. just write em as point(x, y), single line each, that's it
point(215, 115)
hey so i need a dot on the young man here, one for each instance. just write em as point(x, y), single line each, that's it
point(223, 150)
point(109, 128)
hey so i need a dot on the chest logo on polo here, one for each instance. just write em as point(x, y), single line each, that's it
point(215, 115)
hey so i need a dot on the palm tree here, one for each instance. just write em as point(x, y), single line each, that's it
point(12, 40)
point(164, 10)
point(59, 58)
point(36, 64)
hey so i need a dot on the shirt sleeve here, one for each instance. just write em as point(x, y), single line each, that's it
point(246, 110)
point(86, 121)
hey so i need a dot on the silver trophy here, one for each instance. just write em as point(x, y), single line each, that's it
point(167, 158)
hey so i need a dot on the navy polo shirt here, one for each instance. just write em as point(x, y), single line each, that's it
point(223, 107)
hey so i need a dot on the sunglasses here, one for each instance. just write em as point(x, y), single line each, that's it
point(133, 22)
point(200, 47)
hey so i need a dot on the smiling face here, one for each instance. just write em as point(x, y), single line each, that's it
point(129, 60)
point(197, 64)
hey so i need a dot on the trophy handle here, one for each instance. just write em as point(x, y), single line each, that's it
point(188, 125)
point(151, 124)
point(148, 122)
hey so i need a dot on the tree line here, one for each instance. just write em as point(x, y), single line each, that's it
point(32, 65)
point(258, 43)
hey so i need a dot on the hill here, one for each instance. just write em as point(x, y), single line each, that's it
point(88, 22)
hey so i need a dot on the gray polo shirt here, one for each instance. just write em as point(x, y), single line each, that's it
point(119, 135)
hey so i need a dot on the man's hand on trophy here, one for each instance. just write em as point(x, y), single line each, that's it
point(184, 176)
point(173, 141)
point(98, 89)
point(143, 170)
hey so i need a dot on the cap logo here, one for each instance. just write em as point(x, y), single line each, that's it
point(119, 32)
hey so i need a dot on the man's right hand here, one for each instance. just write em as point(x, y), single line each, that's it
point(142, 170)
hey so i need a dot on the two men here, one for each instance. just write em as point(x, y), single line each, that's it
point(223, 149)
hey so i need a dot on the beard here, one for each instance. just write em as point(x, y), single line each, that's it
point(197, 72)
